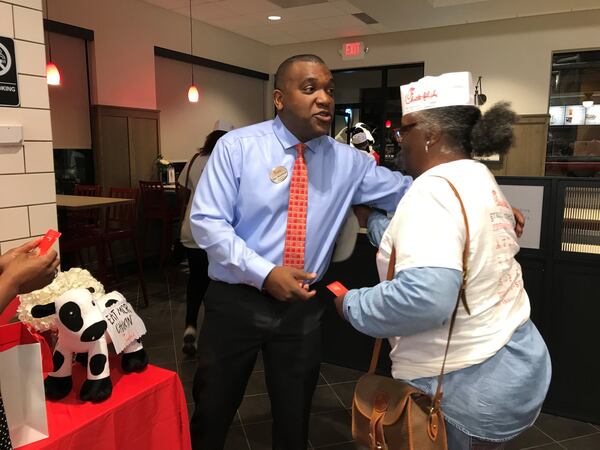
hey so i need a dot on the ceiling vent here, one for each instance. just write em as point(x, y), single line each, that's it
point(363, 17)
point(295, 3)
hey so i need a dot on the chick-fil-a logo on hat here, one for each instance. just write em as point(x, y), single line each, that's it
point(410, 96)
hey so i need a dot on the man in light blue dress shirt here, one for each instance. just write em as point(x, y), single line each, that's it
point(239, 216)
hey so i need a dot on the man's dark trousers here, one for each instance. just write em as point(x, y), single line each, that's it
point(240, 321)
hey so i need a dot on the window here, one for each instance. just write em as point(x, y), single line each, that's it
point(574, 131)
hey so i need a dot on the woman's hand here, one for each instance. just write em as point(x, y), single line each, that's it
point(7, 257)
point(339, 305)
point(519, 222)
point(28, 271)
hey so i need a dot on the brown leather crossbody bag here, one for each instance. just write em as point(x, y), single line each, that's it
point(390, 414)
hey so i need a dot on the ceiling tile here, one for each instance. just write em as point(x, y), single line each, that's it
point(345, 6)
point(243, 7)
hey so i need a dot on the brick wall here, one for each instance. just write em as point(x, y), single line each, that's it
point(27, 192)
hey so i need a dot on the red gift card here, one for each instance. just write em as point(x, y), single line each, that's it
point(337, 288)
point(49, 238)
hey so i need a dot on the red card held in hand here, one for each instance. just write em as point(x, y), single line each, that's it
point(337, 288)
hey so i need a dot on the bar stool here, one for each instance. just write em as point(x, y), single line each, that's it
point(121, 224)
point(156, 205)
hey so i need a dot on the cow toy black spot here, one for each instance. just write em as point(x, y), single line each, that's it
point(82, 330)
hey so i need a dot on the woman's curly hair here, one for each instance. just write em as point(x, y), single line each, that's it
point(472, 132)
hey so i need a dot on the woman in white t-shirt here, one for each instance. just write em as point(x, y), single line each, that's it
point(197, 260)
point(498, 367)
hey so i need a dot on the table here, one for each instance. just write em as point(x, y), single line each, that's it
point(77, 202)
point(146, 411)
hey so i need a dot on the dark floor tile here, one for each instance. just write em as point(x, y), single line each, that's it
point(330, 428)
point(236, 439)
point(338, 374)
point(583, 443)
point(255, 408)
point(529, 438)
point(325, 400)
point(161, 355)
point(187, 390)
point(344, 446)
point(256, 384)
point(548, 447)
point(345, 391)
point(559, 428)
point(259, 366)
point(187, 370)
point(169, 365)
point(158, 339)
point(259, 435)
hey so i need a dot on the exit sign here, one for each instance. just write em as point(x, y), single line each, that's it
point(353, 50)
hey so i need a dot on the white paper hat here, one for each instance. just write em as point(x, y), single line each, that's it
point(359, 138)
point(223, 125)
point(449, 89)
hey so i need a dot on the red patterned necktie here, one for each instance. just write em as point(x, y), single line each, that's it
point(295, 233)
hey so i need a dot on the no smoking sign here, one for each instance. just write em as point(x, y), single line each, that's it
point(9, 88)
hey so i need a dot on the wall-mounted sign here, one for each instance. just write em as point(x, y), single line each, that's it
point(557, 115)
point(353, 50)
point(575, 115)
point(592, 115)
point(9, 88)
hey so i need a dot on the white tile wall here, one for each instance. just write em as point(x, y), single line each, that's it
point(12, 160)
point(28, 24)
point(7, 245)
point(36, 122)
point(31, 58)
point(6, 23)
point(15, 223)
point(27, 189)
point(39, 157)
point(35, 4)
point(27, 193)
point(33, 92)
point(42, 217)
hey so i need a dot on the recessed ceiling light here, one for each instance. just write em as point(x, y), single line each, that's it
point(274, 18)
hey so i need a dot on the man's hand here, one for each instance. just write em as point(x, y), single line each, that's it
point(7, 257)
point(288, 284)
point(28, 272)
point(519, 222)
point(362, 213)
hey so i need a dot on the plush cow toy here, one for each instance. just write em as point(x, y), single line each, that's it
point(82, 329)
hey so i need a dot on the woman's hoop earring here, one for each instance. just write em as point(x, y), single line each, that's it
point(427, 147)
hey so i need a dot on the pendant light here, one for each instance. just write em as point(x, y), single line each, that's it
point(193, 94)
point(480, 97)
point(52, 72)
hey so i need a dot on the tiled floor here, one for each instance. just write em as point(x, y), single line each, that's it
point(330, 419)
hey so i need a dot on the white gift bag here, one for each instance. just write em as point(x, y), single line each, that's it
point(22, 384)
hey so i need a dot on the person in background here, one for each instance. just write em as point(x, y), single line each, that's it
point(22, 270)
point(197, 260)
point(361, 142)
point(267, 210)
point(498, 367)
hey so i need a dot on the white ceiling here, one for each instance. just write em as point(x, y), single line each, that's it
point(331, 19)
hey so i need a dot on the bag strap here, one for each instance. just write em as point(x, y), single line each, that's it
point(186, 194)
point(187, 175)
point(462, 297)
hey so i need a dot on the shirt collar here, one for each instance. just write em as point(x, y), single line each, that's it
point(288, 140)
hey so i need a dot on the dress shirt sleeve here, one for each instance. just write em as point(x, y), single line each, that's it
point(380, 186)
point(377, 223)
point(416, 300)
point(213, 214)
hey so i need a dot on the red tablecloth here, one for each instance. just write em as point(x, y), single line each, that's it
point(146, 411)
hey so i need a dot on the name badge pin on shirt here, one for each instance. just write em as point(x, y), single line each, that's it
point(278, 174)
